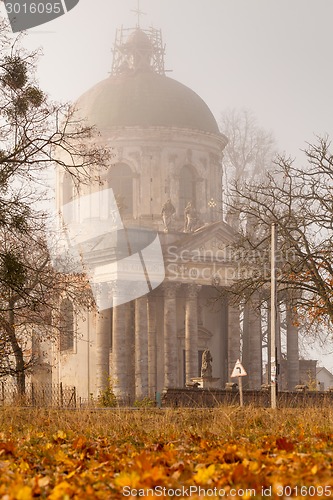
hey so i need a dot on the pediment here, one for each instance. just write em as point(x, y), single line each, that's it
point(210, 242)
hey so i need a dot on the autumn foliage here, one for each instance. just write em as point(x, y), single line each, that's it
point(105, 454)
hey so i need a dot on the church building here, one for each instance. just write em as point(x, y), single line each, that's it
point(166, 179)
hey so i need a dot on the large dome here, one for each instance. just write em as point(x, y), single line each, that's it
point(145, 99)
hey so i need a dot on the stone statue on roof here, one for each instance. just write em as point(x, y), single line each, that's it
point(168, 213)
point(191, 218)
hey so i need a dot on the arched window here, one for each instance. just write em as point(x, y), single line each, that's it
point(66, 325)
point(187, 187)
point(120, 179)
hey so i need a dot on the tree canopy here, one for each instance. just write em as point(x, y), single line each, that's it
point(299, 200)
point(36, 135)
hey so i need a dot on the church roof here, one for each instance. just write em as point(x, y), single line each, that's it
point(145, 99)
point(139, 94)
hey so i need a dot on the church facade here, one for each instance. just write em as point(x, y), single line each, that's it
point(166, 178)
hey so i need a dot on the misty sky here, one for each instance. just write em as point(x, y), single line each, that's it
point(271, 56)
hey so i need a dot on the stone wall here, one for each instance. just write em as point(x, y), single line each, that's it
point(191, 398)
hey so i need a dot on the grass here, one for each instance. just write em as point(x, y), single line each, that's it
point(87, 454)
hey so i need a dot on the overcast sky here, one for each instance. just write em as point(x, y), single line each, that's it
point(271, 56)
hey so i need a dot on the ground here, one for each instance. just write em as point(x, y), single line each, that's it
point(116, 453)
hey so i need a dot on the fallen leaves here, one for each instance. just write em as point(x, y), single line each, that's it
point(149, 450)
point(7, 448)
point(282, 443)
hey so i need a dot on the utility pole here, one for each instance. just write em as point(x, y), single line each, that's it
point(273, 357)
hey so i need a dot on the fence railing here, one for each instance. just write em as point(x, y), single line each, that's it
point(53, 395)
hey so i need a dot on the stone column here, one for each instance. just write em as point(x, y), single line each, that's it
point(103, 343)
point(130, 349)
point(268, 308)
point(252, 346)
point(120, 354)
point(141, 348)
point(280, 375)
point(191, 332)
point(281, 383)
point(292, 350)
point(233, 338)
point(152, 354)
point(170, 335)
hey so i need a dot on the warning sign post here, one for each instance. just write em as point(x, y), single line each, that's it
point(239, 372)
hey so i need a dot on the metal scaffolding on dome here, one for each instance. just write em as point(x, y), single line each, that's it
point(126, 51)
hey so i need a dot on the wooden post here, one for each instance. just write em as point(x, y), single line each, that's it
point(240, 385)
point(273, 360)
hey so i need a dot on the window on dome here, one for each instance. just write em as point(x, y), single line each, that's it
point(120, 179)
point(187, 187)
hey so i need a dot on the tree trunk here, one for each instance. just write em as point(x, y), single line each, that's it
point(17, 351)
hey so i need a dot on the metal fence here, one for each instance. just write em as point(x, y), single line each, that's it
point(41, 395)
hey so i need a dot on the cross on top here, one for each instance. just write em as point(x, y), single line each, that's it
point(139, 13)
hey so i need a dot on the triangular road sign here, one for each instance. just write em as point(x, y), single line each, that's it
point(239, 370)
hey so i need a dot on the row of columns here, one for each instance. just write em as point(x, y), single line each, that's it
point(252, 341)
point(134, 350)
point(252, 345)
point(132, 370)
point(145, 344)
point(292, 351)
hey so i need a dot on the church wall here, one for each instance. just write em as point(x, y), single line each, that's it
point(156, 158)
point(77, 367)
point(155, 164)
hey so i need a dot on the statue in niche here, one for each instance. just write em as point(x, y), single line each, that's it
point(168, 213)
point(191, 218)
point(206, 364)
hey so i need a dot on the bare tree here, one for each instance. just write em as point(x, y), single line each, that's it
point(248, 154)
point(250, 148)
point(298, 199)
point(30, 293)
point(36, 135)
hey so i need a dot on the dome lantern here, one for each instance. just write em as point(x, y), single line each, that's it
point(139, 94)
point(138, 50)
